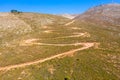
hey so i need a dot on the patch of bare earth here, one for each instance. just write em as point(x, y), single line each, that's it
point(0, 53)
point(28, 42)
point(48, 31)
point(51, 69)
point(44, 27)
point(75, 28)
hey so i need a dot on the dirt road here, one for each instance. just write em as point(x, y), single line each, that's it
point(69, 23)
point(85, 46)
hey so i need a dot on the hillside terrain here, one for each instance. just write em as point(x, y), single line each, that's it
point(48, 47)
point(69, 16)
point(107, 15)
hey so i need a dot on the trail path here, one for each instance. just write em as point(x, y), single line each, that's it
point(67, 24)
point(85, 46)
point(85, 34)
point(30, 42)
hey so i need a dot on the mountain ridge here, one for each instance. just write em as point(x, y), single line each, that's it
point(106, 15)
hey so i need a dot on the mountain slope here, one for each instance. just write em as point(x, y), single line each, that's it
point(9, 21)
point(12, 25)
point(107, 15)
point(56, 48)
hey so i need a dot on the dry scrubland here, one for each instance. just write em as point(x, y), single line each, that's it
point(89, 51)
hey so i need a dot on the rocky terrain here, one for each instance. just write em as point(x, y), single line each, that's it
point(107, 15)
point(37, 46)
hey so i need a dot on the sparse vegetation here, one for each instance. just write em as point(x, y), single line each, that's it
point(15, 11)
point(100, 63)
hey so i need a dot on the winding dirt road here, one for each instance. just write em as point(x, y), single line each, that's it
point(69, 23)
point(85, 46)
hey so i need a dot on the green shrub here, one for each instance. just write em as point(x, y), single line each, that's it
point(15, 11)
